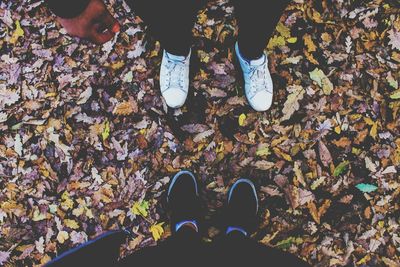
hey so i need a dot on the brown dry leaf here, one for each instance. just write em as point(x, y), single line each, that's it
point(292, 102)
point(292, 196)
point(263, 165)
point(311, 47)
point(314, 212)
point(126, 108)
point(325, 206)
point(324, 154)
point(343, 142)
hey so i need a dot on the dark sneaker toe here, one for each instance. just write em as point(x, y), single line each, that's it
point(183, 199)
point(242, 205)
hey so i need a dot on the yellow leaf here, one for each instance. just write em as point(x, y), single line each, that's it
point(71, 224)
point(19, 32)
point(338, 129)
point(368, 121)
point(208, 32)
point(322, 80)
point(292, 40)
point(157, 230)
point(62, 236)
point(106, 131)
point(140, 208)
point(242, 119)
point(374, 130)
point(202, 18)
point(326, 37)
point(282, 154)
point(51, 94)
point(67, 203)
point(283, 30)
point(263, 150)
point(276, 41)
point(220, 147)
point(117, 65)
point(311, 58)
point(309, 43)
point(364, 260)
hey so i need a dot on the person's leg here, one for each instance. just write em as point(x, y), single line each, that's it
point(170, 21)
point(101, 251)
point(184, 247)
point(235, 247)
point(181, 249)
point(257, 21)
point(239, 250)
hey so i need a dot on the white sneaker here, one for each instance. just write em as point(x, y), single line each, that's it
point(174, 79)
point(258, 85)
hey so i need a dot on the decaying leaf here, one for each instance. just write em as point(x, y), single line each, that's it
point(292, 102)
point(322, 80)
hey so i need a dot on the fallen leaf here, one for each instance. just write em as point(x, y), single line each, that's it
point(242, 119)
point(140, 208)
point(341, 168)
point(324, 154)
point(157, 230)
point(19, 32)
point(292, 102)
point(126, 108)
point(322, 80)
point(62, 236)
point(366, 188)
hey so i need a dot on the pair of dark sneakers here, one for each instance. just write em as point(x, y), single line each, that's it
point(185, 208)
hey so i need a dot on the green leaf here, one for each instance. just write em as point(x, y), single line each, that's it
point(392, 81)
point(341, 168)
point(395, 95)
point(286, 243)
point(366, 188)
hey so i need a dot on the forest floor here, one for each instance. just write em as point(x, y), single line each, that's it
point(88, 145)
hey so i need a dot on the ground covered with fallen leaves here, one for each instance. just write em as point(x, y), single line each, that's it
point(87, 144)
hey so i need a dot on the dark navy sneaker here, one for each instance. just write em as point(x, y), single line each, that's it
point(183, 201)
point(242, 208)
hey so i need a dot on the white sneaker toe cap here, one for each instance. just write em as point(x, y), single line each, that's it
point(175, 98)
point(262, 101)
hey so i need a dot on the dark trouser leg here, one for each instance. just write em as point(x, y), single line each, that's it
point(101, 251)
point(257, 20)
point(170, 21)
point(184, 248)
point(238, 250)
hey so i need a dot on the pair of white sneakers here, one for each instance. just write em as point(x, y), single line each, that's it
point(174, 80)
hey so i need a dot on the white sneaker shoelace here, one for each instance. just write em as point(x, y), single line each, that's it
point(174, 75)
point(258, 78)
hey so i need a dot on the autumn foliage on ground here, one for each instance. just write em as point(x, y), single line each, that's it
point(87, 144)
